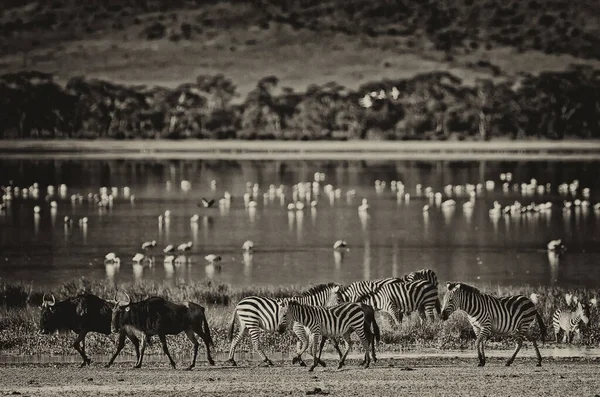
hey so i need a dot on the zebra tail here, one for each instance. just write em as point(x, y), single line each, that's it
point(207, 330)
point(376, 330)
point(438, 306)
point(542, 326)
point(231, 326)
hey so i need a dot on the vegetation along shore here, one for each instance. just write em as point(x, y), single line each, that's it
point(20, 311)
point(430, 106)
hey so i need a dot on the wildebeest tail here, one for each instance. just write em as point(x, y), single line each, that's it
point(232, 326)
point(206, 329)
point(542, 326)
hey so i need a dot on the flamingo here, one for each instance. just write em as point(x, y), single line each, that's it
point(212, 258)
point(185, 246)
point(206, 203)
point(138, 257)
point(340, 244)
point(248, 245)
point(169, 249)
point(149, 244)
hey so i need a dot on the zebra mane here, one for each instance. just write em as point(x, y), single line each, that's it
point(464, 287)
point(318, 288)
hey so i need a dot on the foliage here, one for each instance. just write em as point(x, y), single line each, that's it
point(553, 105)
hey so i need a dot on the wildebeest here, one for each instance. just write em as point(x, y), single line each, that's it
point(157, 316)
point(82, 314)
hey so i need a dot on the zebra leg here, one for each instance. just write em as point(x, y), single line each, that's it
point(234, 344)
point(346, 338)
point(255, 338)
point(519, 338)
point(302, 343)
point(316, 336)
point(323, 340)
point(537, 351)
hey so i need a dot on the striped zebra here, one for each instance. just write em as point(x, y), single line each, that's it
point(319, 295)
point(340, 320)
point(489, 314)
point(423, 274)
point(353, 291)
point(323, 295)
point(398, 299)
point(569, 321)
point(254, 313)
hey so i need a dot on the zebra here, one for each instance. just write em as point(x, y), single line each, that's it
point(258, 312)
point(398, 299)
point(569, 321)
point(340, 320)
point(319, 295)
point(323, 295)
point(489, 314)
point(423, 274)
point(254, 313)
point(353, 291)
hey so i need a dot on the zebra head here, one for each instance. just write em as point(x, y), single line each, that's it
point(583, 312)
point(451, 302)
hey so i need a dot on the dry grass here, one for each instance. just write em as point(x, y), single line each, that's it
point(298, 58)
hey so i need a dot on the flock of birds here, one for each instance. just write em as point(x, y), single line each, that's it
point(309, 194)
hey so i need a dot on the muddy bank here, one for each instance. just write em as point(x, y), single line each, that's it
point(388, 377)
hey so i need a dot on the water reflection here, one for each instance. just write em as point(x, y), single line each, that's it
point(394, 230)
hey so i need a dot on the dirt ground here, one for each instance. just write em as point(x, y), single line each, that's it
point(431, 376)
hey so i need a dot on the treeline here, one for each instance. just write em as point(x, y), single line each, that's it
point(434, 105)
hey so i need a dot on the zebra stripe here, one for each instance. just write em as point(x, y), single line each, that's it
point(340, 320)
point(569, 321)
point(398, 299)
point(489, 314)
point(254, 313)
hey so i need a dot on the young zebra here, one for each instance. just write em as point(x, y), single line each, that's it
point(320, 295)
point(254, 313)
point(569, 321)
point(398, 299)
point(489, 314)
point(340, 320)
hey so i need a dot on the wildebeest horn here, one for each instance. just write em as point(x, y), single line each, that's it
point(50, 303)
point(124, 303)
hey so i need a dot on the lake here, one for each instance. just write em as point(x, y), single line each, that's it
point(395, 236)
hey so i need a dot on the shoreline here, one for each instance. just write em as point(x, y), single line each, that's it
point(577, 150)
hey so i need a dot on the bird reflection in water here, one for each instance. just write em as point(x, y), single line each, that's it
point(168, 264)
point(299, 225)
point(36, 223)
point(554, 263)
point(248, 259)
point(138, 271)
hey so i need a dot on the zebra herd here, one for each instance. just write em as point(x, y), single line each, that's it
point(326, 311)
point(332, 311)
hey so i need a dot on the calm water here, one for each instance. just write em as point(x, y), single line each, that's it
point(295, 247)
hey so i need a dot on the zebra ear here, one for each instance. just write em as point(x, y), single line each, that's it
point(336, 288)
point(452, 286)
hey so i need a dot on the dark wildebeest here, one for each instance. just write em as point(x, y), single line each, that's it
point(82, 314)
point(157, 316)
